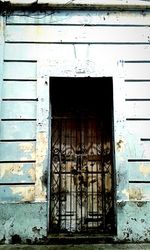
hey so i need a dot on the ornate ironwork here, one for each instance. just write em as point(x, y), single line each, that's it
point(82, 192)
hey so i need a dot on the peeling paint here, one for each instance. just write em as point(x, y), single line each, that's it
point(120, 145)
point(18, 220)
point(36, 230)
point(145, 170)
point(125, 192)
point(42, 141)
point(31, 172)
point(41, 154)
point(26, 194)
point(28, 147)
point(8, 229)
point(30, 221)
point(135, 194)
point(11, 168)
point(133, 222)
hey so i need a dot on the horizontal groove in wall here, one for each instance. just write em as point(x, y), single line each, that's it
point(142, 182)
point(137, 119)
point(21, 61)
point(20, 100)
point(137, 80)
point(20, 80)
point(138, 61)
point(19, 140)
point(138, 160)
point(80, 24)
point(17, 184)
point(18, 120)
point(33, 161)
point(138, 99)
point(103, 43)
point(145, 139)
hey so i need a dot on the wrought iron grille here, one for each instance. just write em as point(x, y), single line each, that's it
point(82, 192)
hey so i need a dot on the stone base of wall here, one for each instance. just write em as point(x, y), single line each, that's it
point(26, 223)
point(23, 223)
point(133, 221)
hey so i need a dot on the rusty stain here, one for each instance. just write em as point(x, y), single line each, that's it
point(26, 193)
point(145, 170)
point(120, 145)
point(135, 194)
point(11, 168)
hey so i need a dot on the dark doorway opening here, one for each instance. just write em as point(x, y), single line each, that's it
point(82, 173)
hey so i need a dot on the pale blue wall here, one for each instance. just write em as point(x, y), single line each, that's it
point(93, 40)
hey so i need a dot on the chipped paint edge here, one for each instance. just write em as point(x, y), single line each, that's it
point(42, 138)
point(20, 221)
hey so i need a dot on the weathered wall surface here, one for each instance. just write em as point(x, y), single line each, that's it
point(85, 4)
point(133, 221)
point(23, 222)
point(72, 43)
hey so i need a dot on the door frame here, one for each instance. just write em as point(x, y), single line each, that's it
point(47, 69)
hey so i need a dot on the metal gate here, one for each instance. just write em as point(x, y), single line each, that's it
point(82, 190)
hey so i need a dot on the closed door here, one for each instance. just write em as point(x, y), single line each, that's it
point(82, 176)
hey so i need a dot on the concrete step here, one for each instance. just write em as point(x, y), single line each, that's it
point(77, 247)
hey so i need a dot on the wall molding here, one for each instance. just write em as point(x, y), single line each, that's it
point(75, 4)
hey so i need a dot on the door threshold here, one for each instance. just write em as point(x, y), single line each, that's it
point(79, 239)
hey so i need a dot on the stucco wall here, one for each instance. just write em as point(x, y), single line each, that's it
point(36, 46)
point(23, 223)
point(133, 221)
